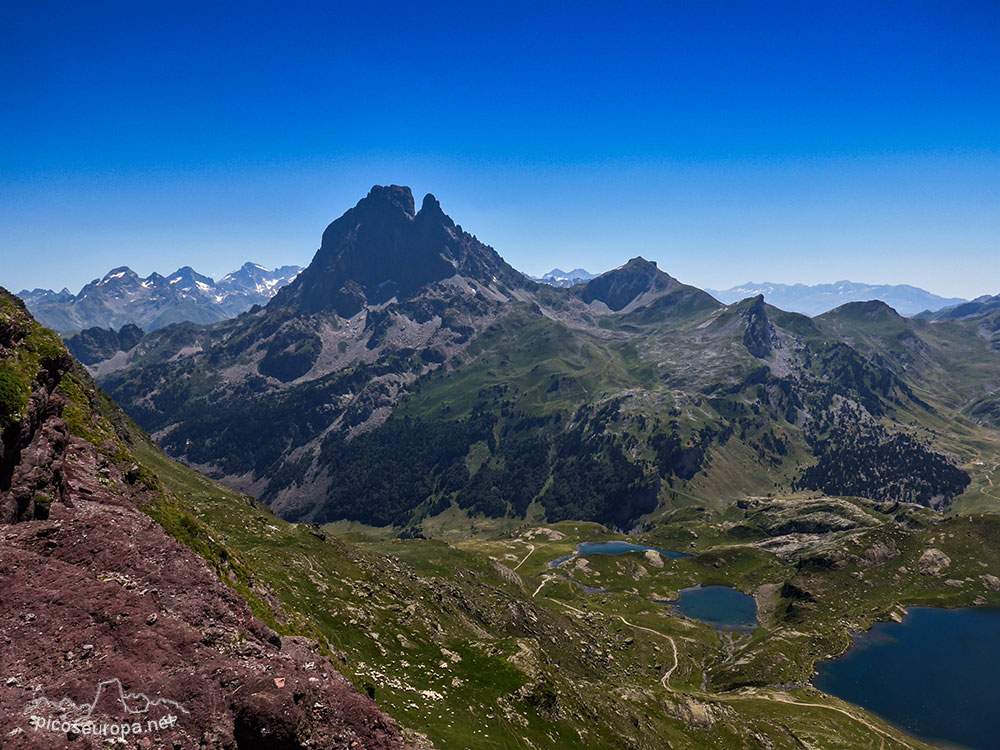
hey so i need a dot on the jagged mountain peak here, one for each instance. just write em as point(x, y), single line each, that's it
point(431, 214)
point(430, 204)
point(381, 197)
point(745, 302)
point(758, 331)
point(381, 249)
point(255, 271)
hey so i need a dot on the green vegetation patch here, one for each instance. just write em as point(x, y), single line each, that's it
point(14, 393)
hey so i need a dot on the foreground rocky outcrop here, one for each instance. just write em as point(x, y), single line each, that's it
point(112, 633)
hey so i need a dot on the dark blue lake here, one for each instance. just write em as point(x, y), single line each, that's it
point(613, 548)
point(721, 607)
point(934, 675)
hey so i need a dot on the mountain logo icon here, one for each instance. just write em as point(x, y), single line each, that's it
point(110, 696)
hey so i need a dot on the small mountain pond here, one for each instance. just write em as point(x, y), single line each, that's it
point(721, 607)
point(613, 548)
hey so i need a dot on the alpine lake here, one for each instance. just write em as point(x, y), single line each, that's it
point(933, 675)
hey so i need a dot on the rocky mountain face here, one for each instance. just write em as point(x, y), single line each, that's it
point(383, 249)
point(820, 298)
point(98, 344)
point(131, 627)
point(633, 285)
point(565, 279)
point(409, 370)
point(123, 298)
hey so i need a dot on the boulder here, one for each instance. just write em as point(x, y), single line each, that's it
point(932, 562)
point(880, 552)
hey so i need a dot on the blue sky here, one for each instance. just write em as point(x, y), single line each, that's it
point(789, 142)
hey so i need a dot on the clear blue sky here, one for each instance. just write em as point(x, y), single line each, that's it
point(796, 141)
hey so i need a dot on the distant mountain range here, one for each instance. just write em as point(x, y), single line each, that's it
point(123, 298)
point(560, 278)
point(820, 298)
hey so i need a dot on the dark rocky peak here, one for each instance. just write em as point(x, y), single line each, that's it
point(757, 330)
point(621, 286)
point(129, 336)
point(381, 249)
point(638, 264)
point(398, 196)
point(385, 207)
point(95, 345)
point(431, 208)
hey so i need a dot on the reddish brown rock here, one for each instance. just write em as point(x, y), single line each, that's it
point(98, 605)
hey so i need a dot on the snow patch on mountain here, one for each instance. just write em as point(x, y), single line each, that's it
point(560, 278)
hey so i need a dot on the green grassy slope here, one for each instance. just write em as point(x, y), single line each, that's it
point(475, 643)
